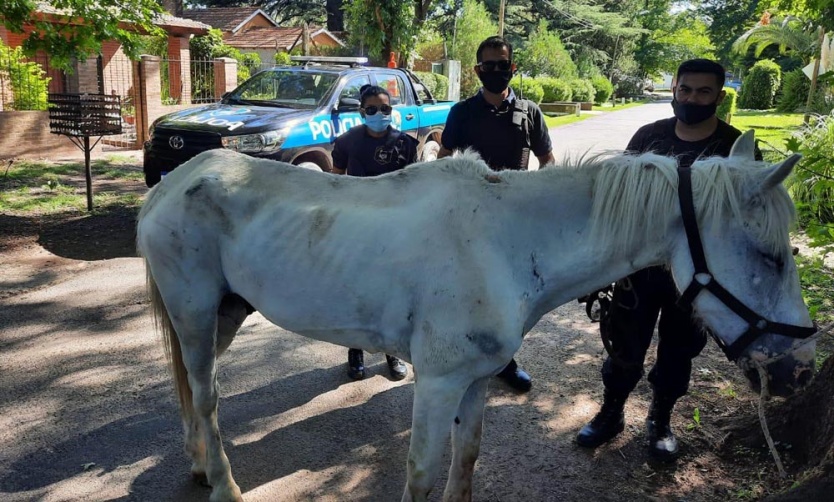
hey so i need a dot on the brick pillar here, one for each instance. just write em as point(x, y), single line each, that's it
point(149, 89)
point(225, 76)
point(179, 69)
point(84, 77)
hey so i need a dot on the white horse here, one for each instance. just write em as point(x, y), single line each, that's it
point(446, 265)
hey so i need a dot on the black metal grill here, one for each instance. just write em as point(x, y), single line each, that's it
point(192, 143)
point(85, 114)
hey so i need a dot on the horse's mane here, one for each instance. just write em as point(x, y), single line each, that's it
point(634, 194)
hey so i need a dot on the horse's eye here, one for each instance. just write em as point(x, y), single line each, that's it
point(772, 261)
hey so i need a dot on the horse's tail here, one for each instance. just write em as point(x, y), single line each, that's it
point(173, 351)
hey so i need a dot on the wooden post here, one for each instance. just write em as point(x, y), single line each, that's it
point(501, 18)
point(814, 76)
point(88, 173)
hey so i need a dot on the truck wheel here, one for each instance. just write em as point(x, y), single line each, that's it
point(310, 165)
point(430, 150)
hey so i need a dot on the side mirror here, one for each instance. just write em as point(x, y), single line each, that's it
point(348, 105)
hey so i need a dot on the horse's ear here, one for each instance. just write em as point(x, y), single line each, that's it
point(745, 146)
point(780, 171)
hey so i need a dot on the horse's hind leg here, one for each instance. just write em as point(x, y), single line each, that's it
point(232, 312)
point(466, 442)
point(436, 401)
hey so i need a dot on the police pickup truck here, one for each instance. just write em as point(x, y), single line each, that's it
point(294, 114)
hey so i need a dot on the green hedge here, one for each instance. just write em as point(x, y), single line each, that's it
point(727, 108)
point(603, 89)
point(583, 90)
point(760, 86)
point(28, 81)
point(437, 84)
point(554, 89)
point(528, 88)
point(795, 89)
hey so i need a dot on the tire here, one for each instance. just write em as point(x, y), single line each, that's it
point(310, 165)
point(430, 150)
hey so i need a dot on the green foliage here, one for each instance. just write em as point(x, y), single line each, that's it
point(812, 184)
point(583, 90)
point(282, 59)
point(27, 80)
point(65, 42)
point(437, 84)
point(603, 89)
point(382, 27)
point(727, 108)
point(795, 89)
point(209, 47)
point(555, 89)
point(544, 54)
point(473, 27)
point(686, 37)
point(760, 86)
point(791, 35)
point(528, 88)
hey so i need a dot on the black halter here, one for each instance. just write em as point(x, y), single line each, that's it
point(703, 279)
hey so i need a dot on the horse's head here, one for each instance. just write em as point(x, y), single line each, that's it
point(743, 219)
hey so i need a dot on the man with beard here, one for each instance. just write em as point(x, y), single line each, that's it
point(693, 133)
point(503, 129)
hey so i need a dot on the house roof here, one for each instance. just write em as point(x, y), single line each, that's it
point(171, 24)
point(229, 19)
point(274, 38)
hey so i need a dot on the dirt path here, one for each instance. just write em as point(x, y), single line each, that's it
point(87, 412)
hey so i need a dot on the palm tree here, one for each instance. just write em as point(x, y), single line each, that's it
point(791, 34)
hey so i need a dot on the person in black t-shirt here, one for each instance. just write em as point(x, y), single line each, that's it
point(694, 132)
point(372, 149)
point(503, 129)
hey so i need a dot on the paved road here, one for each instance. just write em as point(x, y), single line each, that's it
point(607, 131)
point(86, 411)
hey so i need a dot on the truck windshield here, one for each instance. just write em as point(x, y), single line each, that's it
point(286, 88)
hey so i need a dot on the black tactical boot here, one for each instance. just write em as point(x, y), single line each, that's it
point(662, 443)
point(356, 364)
point(605, 426)
point(516, 377)
point(397, 368)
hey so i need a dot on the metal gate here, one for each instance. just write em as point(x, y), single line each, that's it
point(119, 78)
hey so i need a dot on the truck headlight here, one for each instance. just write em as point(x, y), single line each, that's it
point(253, 143)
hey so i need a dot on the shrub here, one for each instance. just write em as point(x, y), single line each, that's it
point(282, 59)
point(28, 81)
point(442, 89)
point(527, 88)
point(811, 187)
point(794, 97)
point(603, 89)
point(554, 89)
point(760, 86)
point(583, 90)
point(727, 108)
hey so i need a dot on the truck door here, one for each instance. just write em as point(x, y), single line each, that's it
point(342, 121)
point(404, 116)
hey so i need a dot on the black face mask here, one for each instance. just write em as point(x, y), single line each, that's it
point(691, 114)
point(495, 81)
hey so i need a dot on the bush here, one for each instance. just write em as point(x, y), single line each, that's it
point(282, 59)
point(554, 89)
point(28, 81)
point(727, 108)
point(583, 90)
point(442, 89)
point(428, 79)
point(527, 88)
point(760, 86)
point(811, 187)
point(603, 89)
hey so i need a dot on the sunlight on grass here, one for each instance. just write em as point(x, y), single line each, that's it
point(772, 128)
point(605, 108)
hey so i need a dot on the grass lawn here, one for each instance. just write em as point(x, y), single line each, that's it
point(772, 128)
point(606, 107)
point(49, 187)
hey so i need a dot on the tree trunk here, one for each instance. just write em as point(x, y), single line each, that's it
point(335, 15)
point(806, 422)
point(173, 7)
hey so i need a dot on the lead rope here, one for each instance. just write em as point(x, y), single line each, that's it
point(765, 393)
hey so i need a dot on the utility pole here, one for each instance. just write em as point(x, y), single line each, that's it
point(501, 18)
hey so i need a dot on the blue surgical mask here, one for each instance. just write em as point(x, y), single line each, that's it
point(378, 122)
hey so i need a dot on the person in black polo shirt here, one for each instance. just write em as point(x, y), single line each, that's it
point(694, 132)
point(503, 129)
point(372, 149)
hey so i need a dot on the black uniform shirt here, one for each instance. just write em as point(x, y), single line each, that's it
point(659, 137)
point(490, 131)
point(360, 154)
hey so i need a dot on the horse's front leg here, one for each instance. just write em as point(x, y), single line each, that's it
point(200, 361)
point(436, 399)
point(466, 442)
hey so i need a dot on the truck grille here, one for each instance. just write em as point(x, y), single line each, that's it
point(193, 143)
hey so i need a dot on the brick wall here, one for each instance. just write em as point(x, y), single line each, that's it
point(26, 135)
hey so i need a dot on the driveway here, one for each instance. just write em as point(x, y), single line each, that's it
point(87, 412)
